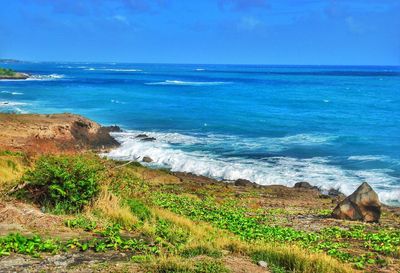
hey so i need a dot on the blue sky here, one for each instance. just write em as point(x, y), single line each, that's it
point(364, 32)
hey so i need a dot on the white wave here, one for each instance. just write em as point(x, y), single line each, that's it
point(200, 69)
point(11, 103)
point(12, 93)
point(48, 77)
point(368, 158)
point(122, 70)
point(114, 69)
point(273, 170)
point(188, 83)
point(118, 102)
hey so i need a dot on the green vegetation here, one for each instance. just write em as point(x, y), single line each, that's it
point(255, 227)
point(64, 184)
point(81, 222)
point(7, 72)
point(166, 225)
point(110, 239)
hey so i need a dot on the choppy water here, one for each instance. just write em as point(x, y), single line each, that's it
point(332, 126)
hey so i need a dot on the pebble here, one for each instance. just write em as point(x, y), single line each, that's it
point(263, 264)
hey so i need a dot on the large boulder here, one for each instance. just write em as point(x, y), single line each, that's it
point(362, 205)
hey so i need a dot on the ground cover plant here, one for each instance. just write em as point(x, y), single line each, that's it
point(165, 224)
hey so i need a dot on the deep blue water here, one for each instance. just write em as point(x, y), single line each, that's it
point(330, 125)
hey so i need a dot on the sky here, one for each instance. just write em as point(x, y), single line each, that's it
point(299, 32)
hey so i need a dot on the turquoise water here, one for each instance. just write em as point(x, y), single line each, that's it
point(331, 126)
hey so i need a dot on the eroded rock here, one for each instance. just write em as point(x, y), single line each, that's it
point(362, 205)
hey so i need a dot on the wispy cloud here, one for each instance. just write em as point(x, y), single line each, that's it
point(249, 23)
point(120, 19)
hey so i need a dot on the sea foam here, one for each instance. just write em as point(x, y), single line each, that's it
point(280, 170)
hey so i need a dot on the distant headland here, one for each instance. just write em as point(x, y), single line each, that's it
point(9, 74)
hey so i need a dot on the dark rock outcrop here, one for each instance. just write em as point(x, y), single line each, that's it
point(303, 185)
point(144, 137)
point(148, 139)
point(244, 183)
point(141, 136)
point(147, 159)
point(362, 205)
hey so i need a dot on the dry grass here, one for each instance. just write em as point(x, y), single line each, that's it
point(110, 207)
point(11, 169)
point(288, 256)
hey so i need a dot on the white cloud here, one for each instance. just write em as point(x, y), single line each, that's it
point(249, 23)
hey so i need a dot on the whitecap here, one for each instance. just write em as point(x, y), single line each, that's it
point(367, 158)
point(280, 170)
point(188, 83)
point(11, 103)
point(12, 93)
point(122, 70)
point(48, 77)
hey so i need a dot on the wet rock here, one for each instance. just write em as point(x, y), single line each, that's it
point(148, 139)
point(141, 136)
point(362, 205)
point(113, 128)
point(147, 159)
point(244, 182)
point(303, 185)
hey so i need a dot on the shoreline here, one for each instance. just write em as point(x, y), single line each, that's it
point(247, 213)
point(55, 133)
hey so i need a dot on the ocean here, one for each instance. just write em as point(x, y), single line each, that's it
point(333, 126)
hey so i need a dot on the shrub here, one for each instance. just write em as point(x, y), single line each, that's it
point(64, 183)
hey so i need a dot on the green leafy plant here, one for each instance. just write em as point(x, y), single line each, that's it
point(82, 223)
point(139, 209)
point(65, 184)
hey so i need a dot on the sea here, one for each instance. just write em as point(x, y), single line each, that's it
point(332, 126)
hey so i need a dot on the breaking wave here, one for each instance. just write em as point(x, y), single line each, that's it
point(173, 150)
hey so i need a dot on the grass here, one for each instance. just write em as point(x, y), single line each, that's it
point(12, 167)
point(168, 226)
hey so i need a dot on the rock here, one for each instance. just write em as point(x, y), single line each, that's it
point(243, 182)
point(263, 264)
point(363, 205)
point(147, 159)
point(303, 185)
point(141, 136)
point(113, 129)
point(335, 193)
point(148, 139)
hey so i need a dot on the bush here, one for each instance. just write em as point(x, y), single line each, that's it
point(63, 183)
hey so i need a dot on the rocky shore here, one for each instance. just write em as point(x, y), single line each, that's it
point(53, 133)
point(226, 220)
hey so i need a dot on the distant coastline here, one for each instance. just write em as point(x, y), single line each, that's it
point(9, 74)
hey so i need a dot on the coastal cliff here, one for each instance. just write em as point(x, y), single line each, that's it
point(57, 132)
